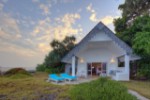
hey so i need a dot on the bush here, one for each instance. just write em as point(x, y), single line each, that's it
point(19, 76)
point(40, 67)
point(101, 89)
point(44, 68)
point(54, 69)
point(144, 71)
point(15, 71)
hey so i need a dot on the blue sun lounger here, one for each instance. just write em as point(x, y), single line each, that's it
point(68, 77)
point(56, 78)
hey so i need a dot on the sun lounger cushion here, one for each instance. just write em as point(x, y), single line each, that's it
point(66, 76)
point(54, 77)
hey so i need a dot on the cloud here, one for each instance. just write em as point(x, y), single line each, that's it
point(42, 27)
point(45, 8)
point(37, 41)
point(63, 27)
point(43, 47)
point(45, 31)
point(8, 27)
point(93, 13)
point(11, 39)
point(10, 47)
point(107, 20)
point(66, 28)
point(33, 41)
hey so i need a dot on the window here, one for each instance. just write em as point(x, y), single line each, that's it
point(120, 63)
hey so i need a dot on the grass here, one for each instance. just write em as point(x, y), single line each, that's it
point(101, 89)
point(34, 87)
point(141, 87)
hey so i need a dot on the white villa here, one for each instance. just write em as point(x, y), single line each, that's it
point(100, 53)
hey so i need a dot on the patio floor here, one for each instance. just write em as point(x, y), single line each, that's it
point(78, 81)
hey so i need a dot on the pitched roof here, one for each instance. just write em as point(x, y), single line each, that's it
point(99, 27)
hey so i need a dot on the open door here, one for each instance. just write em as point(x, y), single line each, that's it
point(94, 68)
point(104, 69)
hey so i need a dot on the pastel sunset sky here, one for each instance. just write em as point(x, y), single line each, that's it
point(28, 26)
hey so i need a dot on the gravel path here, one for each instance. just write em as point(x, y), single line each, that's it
point(139, 97)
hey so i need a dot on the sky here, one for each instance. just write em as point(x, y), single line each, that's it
point(28, 26)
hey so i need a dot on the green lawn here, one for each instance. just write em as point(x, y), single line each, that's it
point(35, 87)
point(141, 87)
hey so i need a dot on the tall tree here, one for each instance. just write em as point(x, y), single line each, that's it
point(128, 34)
point(131, 9)
point(52, 62)
point(134, 8)
point(134, 28)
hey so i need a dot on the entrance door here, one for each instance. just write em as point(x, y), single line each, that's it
point(94, 68)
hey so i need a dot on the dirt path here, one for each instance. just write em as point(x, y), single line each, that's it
point(139, 97)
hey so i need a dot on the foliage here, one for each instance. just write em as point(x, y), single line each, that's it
point(15, 71)
point(52, 59)
point(141, 44)
point(127, 34)
point(138, 36)
point(36, 88)
point(131, 10)
point(120, 25)
point(52, 62)
point(134, 8)
point(56, 69)
point(101, 89)
point(144, 71)
point(40, 68)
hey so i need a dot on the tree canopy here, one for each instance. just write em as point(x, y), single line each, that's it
point(134, 28)
point(142, 44)
point(134, 8)
point(52, 61)
point(127, 34)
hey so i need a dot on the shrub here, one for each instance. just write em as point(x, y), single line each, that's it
point(144, 71)
point(19, 76)
point(50, 69)
point(54, 69)
point(101, 89)
point(40, 67)
point(15, 71)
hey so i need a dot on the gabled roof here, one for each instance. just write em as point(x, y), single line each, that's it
point(99, 27)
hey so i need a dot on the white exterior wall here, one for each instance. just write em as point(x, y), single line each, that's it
point(96, 55)
point(101, 36)
point(99, 49)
